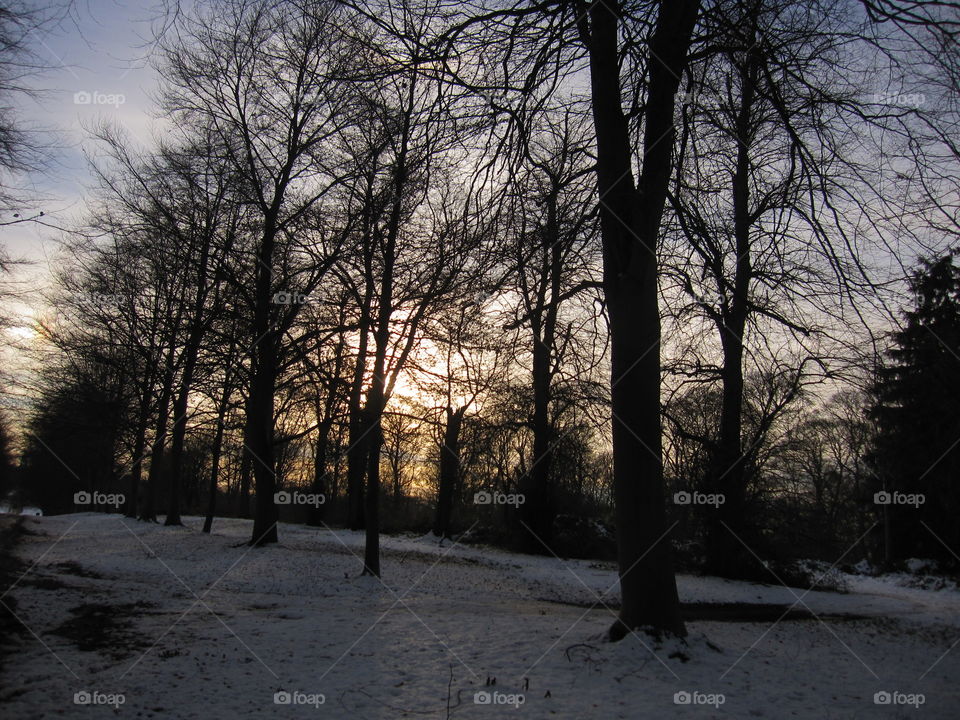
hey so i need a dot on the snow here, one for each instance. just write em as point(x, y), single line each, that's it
point(176, 623)
point(916, 565)
point(26, 510)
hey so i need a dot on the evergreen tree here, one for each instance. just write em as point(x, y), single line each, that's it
point(915, 404)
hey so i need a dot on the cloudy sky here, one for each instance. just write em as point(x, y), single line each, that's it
point(97, 68)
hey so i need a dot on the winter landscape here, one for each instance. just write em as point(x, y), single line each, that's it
point(182, 624)
point(479, 359)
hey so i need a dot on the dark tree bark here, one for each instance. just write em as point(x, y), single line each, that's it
point(157, 460)
point(539, 507)
point(139, 447)
point(630, 219)
point(358, 428)
point(376, 400)
point(376, 395)
point(726, 555)
point(197, 330)
point(178, 437)
point(325, 411)
point(319, 484)
point(228, 389)
point(357, 450)
point(215, 464)
point(449, 471)
point(371, 554)
point(260, 409)
point(136, 473)
point(245, 470)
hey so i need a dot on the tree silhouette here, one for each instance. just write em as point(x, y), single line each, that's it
point(918, 444)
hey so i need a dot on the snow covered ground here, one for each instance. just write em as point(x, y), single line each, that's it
point(26, 510)
point(145, 621)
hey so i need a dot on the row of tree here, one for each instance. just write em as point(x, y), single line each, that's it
point(514, 248)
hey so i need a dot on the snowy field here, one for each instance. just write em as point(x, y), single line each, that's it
point(152, 622)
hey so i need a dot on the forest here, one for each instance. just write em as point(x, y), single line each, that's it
point(667, 289)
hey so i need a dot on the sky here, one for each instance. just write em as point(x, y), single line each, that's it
point(95, 66)
point(96, 62)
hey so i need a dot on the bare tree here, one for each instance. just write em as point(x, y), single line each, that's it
point(630, 216)
point(258, 74)
point(471, 358)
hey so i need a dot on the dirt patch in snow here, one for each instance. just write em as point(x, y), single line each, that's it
point(11, 569)
point(109, 629)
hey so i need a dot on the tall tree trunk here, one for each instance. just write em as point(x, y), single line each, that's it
point(725, 552)
point(260, 412)
point(319, 485)
point(325, 412)
point(245, 470)
point(262, 451)
point(149, 511)
point(358, 442)
point(357, 449)
point(373, 420)
point(176, 444)
point(376, 396)
point(539, 507)
point(357, 458)
point(191, 350)
point(726, 555)
point(371, 553)
point(139, 446)
point(630, 219)
point(449, 471)
point(215, 465)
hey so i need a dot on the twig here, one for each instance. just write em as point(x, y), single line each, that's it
point(449, 686)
